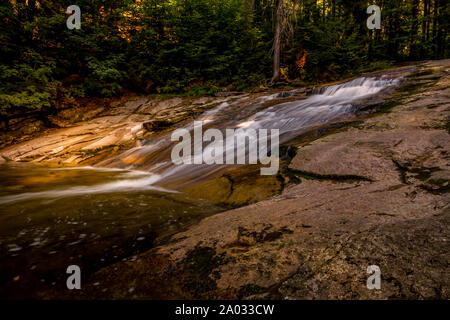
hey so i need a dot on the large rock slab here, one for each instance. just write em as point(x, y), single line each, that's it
point(85, 137)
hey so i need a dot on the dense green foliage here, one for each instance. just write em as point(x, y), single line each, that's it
point(200, 46)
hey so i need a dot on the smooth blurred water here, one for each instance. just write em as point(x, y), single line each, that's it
point(51, 218)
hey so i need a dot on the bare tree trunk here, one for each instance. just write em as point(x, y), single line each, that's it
point(435, 17)
point(435, 28)
point(441, 30)
point(323, 10)
point(277, 43)
point(428, 18)
point(424, 24)
point(414, 29)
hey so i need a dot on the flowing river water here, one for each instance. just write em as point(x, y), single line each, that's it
point(93, 216)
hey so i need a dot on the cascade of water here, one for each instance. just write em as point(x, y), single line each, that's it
point(292, 118)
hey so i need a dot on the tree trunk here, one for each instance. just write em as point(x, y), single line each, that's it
point(435, 29)
point(414, 29)
point(435, 18)
point(428, 19)
point(277, 43)
point(323, 10)
point(442, 23)
point(424, 21)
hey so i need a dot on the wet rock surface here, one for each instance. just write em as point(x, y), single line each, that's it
point(372, 193)
point(85, 136)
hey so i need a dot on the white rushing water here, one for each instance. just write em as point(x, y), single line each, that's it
point(328, 104)
point(292, 118)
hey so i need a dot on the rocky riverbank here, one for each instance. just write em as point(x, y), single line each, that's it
point(370, 190)
point(372, 193)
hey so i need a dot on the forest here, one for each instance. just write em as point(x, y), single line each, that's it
point(200, 47)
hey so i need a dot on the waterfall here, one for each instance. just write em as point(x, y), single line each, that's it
point(291, 118)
